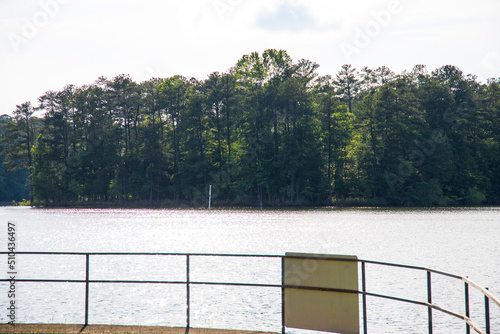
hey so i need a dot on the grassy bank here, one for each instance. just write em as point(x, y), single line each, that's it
point(105, 329)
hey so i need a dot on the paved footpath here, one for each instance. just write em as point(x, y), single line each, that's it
point(101, 329)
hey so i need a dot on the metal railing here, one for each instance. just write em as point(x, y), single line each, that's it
point(363, 292)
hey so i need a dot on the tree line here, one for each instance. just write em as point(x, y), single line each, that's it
point(269, 131)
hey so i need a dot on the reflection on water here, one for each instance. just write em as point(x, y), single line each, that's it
point(462, 241)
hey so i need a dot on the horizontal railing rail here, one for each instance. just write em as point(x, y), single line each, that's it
point(488, 296)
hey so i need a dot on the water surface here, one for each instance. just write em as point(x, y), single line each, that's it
point(462, 241)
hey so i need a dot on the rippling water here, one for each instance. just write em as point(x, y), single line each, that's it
point(463, 241)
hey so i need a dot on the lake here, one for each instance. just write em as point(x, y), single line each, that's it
point(462, 241)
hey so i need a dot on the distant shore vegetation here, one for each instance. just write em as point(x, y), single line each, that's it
point(270, 131)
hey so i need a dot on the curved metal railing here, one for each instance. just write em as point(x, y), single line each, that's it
point(363, 292)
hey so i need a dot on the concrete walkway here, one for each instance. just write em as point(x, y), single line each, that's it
point(104, 329)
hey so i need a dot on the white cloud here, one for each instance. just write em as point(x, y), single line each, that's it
point(287, 17)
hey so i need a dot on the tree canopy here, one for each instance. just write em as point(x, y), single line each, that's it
point(269, 131)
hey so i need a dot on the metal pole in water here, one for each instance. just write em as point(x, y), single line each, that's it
point(188, 296)
point(487, 313)
point(283, 295)
point(429, 300)
point(210, 196)
point(87, 256)
point(363, 284)
point(467, 307)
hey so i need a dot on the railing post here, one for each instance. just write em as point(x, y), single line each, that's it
point(283, 295)
point(429, 299)
point(487, 313)
point(187, 294)
point(87, 257)
point(467, 307)
point(363, 287)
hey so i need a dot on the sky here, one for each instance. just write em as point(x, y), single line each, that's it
point(48, 44)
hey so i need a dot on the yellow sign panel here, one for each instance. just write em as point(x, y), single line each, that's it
point(327, 311)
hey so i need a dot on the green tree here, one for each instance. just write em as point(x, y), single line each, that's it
point(196, 129)
point(172, 93)
point(347, 83)
point(336, 135)
point(267, 131)
point(125, 102)
point(46, 175)
point(13, 183)
point(393, 123)
point(19, 138)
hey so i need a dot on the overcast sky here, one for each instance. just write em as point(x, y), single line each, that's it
point(48, 44)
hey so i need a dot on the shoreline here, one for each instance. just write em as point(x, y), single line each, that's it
point(183, 206)
point(170, 204)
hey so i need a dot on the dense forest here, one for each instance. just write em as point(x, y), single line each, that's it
point(270, 131)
